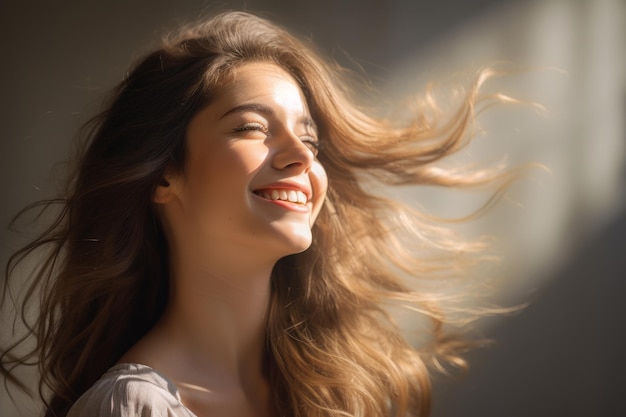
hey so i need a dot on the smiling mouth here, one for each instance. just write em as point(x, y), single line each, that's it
point(292, 196)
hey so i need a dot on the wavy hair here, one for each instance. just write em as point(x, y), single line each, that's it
point(332, 347)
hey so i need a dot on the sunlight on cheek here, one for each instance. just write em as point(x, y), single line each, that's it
point(319, 181)
point(246, 157)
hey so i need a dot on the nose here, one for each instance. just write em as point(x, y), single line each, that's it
point(291, 153)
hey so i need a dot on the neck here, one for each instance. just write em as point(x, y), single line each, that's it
point(211, 339)
point(220, 316)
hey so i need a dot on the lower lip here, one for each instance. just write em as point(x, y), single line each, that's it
point(299, 208)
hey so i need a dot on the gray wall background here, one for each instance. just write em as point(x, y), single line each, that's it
point(564, 250)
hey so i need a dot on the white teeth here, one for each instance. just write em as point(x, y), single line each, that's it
point(293, 196)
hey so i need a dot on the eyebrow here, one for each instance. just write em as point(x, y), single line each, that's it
point(269, 112)
point(254, 107)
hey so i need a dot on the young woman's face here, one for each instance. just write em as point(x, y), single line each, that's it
point(251, 178)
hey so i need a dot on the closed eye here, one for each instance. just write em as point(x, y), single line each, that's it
point(248, 127)
point(312, 143)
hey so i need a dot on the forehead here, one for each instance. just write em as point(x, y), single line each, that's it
point(266, 83)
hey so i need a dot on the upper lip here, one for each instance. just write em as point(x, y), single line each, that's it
point(288, 185)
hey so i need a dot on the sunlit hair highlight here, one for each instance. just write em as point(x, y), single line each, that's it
point(332, 347)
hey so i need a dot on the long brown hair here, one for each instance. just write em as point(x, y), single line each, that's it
point(333, 350)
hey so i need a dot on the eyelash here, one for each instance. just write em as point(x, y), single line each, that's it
point(310, 142)
point(313, 144)
point(251, 127)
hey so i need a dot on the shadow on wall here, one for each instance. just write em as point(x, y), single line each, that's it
point(564, 354)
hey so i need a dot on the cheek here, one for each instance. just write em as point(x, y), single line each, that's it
point(226, 168)
point(206, 188)
point(319, 183)
point(218, 184)
point(240, 158)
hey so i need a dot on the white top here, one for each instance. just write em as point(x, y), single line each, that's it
point(131, 390)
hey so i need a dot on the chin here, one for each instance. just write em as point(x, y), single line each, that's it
point(297, 243)
point(300, 246)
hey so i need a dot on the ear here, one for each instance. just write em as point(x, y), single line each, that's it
point(165, 190)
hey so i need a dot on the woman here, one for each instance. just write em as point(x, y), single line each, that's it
point(219, 252)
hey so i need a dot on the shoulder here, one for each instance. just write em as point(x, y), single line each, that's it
point(130, 390)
